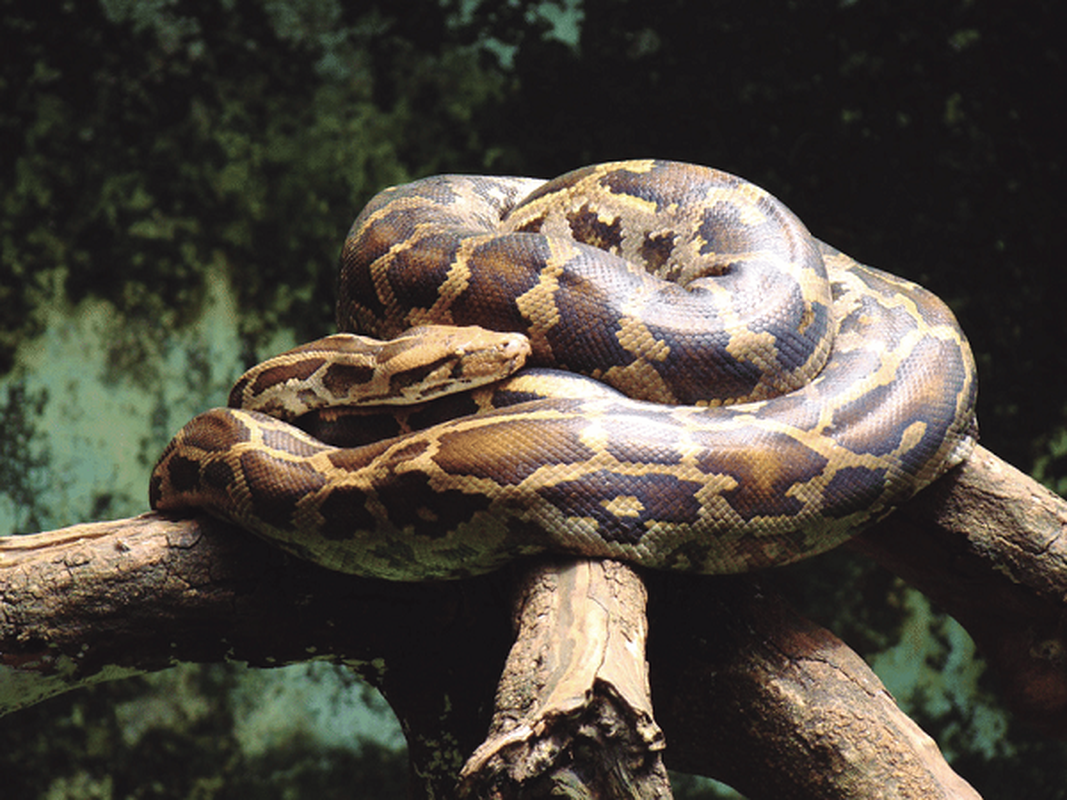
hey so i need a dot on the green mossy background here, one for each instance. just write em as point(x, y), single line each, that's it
point(177, 179)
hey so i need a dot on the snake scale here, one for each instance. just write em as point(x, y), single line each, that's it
point(706, 386)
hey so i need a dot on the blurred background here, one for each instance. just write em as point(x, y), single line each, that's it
point(178, 177)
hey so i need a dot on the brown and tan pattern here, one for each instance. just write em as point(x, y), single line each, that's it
point(346, 370)
point(770, 395)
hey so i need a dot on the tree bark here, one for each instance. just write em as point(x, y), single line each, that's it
point(988, 544)
point(778, 707)
point(746, 690)
point(573, 709)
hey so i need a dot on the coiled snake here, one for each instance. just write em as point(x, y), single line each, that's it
point(743, 395)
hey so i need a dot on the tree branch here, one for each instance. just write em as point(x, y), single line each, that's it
point(988, 544)
point(736, 674)
point(778, 707)
point(573, 708)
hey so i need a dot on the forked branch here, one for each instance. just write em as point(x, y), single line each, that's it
point(743, 686)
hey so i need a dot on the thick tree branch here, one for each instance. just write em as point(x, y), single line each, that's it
point(778, 707)
point(573, 708)
point(989, 545)
point(730, 666)
point(104, 600)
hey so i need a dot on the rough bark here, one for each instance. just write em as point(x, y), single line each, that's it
point(106, 600)
point(573, 708)
point(988, 544)
point(780, 708)
point(743, 688)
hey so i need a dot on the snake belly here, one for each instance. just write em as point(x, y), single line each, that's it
point(744, 396)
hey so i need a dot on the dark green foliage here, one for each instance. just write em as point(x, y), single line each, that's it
point(23, 458)
point(117, 740)
point(147, 145)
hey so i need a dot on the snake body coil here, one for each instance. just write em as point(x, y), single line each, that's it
point(751, 395)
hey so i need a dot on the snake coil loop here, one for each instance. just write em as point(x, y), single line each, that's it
point(709, 387)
